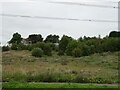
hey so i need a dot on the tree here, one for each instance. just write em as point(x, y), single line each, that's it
point(52, 39)
point(111, 44)
point(114, 34)
point(34, 38)
point(85, 49)
point(64, 42)
point(71, 46)
point(16, 38)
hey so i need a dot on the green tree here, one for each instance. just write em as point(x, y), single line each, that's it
point(114, 34)
point(52, 39)
point(111, 44)
point(71, 46)
point(85, 49)
point(64, 42)
point(16, 38)
point(34, 38)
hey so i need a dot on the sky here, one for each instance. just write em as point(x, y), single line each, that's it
point(44, 8)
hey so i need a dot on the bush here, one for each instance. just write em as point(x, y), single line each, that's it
point(47, 50)
point(60, 53)
point(22, 47)
point(5, 48)
point(54, 47)
point(14, 47)
point(37, 52)
point(46, 47)
point(85, 50)
point(77, 52)
point(30, 47)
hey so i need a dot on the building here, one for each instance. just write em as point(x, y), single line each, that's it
point(26, 42)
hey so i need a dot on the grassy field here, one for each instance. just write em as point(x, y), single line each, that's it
point(54, 85)
point(20, 66)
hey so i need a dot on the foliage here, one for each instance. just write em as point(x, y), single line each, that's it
point(5, 48)
point(83, 49)
point(64, 42)
point(93, 45)
point(30, 47)
point(111, 44)
point(114, 34)
point(54, 47)
point(14, 46)
point(60, 53)
point(47, 50)
point(37, 52)
point(71, 46)
point(77, 52)
point(67, 45)
point(22, 47)
point(35, 38)
point(52, 39)
point(16, 38)
point(46, 47)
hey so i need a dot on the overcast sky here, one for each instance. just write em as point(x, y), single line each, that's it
point(75, 29)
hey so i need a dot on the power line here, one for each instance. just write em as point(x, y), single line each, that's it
point(58, 18)
point(84, 4)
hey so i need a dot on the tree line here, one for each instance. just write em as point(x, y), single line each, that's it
point(83, 46)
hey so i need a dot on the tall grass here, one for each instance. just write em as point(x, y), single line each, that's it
point(89, 69)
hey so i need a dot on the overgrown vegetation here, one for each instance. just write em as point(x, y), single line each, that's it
point(86, 60)
point(20, 66)
point(67, 45)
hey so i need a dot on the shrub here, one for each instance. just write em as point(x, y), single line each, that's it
point(60, 53)
point(54, 47)
point(5, 48)
point(77, 52)
point(30, 47)
point(46, 47)
point(14, 47)
point(22, 47)
point(37, 52)
point(85, 50)
point(47, 50)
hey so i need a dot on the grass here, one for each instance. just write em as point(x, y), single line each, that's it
point(54, 85)
point(21, 66)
